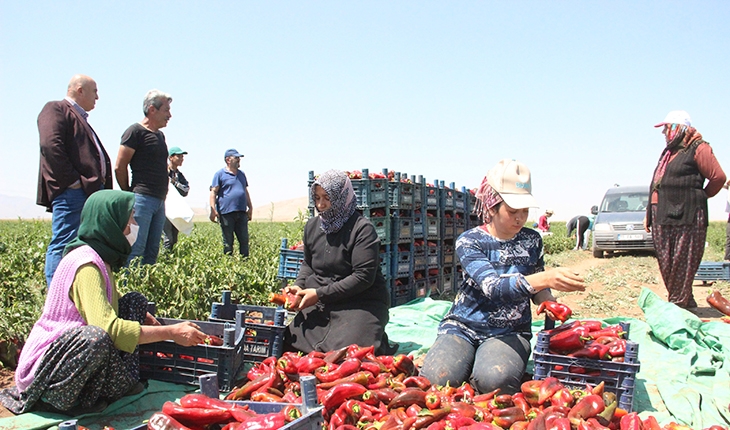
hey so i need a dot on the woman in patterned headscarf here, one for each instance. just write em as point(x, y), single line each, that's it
point(344, 298)
point(677, 215)
point(485, 338)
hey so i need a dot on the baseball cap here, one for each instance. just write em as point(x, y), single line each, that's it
point(512, 180)
point(175, 150)
point(549, 211)
point(676, 117)
point(232, 153)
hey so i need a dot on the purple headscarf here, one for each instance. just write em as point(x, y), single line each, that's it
point(342, 200)
point(487, 198)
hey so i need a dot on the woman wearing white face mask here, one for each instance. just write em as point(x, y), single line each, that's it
point(82, 352)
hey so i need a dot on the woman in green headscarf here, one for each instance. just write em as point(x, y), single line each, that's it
point(82, 352)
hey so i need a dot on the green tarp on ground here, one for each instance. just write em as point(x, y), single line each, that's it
point(683, 375)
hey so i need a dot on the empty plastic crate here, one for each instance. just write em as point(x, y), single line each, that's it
point(713, 271)
point(290, 261)
point(619, 378)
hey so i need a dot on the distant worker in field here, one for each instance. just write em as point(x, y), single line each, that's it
point(542, 223)
point(581, 225)
point(144, 149)
point(175, 159)
point(73, 164)
point(677, 215)
point(343, 295)
point(230, 203)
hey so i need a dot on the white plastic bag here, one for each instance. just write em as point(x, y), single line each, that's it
point(178, 212)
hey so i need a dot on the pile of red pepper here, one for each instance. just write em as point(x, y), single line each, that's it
point(361, 391)
point(588, 339)
point(198, 412)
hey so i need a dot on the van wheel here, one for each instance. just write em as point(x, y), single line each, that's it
point(597, 253)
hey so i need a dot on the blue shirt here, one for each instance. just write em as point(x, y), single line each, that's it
point(494, 298)
point(231, 191)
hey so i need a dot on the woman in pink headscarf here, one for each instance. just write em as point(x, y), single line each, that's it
point(677, 215)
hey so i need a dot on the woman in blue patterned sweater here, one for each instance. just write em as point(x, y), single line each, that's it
point(485, 337)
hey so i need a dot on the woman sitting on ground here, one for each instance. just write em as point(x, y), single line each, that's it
point(82, 352)
point(484, 339)
point(344, 298)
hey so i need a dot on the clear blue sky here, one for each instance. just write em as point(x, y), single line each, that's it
point(440, 89)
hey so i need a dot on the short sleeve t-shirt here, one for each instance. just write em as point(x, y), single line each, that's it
point(231, 191)
point(149, 162)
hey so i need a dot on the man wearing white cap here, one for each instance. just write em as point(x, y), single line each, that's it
point(485, 337)
point(686, 175)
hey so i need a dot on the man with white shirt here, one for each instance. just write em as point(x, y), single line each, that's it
point(73, 164)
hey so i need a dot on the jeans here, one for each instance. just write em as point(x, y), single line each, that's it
point(65, 226)
point(149, 212)
point(497, 362)
point(169, 235)
point(235, 222)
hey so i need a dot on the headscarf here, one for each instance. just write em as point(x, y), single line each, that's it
point(678, 137)
point(487, 198)
point(338, 187)
point(103, 219)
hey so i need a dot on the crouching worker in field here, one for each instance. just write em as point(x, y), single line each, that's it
point(82, 352)
point(343, 295)
point(484, 339)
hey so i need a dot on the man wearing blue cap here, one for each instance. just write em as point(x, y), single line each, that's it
point(230, 203)
point(175, 158)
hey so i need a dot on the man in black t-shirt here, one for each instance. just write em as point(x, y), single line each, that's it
point(143, 148)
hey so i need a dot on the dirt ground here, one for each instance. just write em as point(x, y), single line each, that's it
point(614, 284)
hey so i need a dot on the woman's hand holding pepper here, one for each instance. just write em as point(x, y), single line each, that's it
point(560, 279)
point(309, 298)
point(187, 334)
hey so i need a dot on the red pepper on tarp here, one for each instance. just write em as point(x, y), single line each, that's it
point(519, 400)
point(347, 368)
point(309, 364)
point(427, 417)
point(373, 367)
point(507, 416)
point(408, 397)
point(631, 421)
point(587, 407)
point(195, 416)
point(562, 397)
point(162, 421)
point(338, 394)
point(381, 395)
point(717, 301)
point(433, 400)
point(531, 390)
point(362, 378)
point(259, 369)
point(485, 397)
point(555, 310)
point(359, 352)
point(556, 422)
point(548, 387)
point(288, 363)
point(465, 392)
point(467, 410)
point(417, 381)
point(403, 364)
